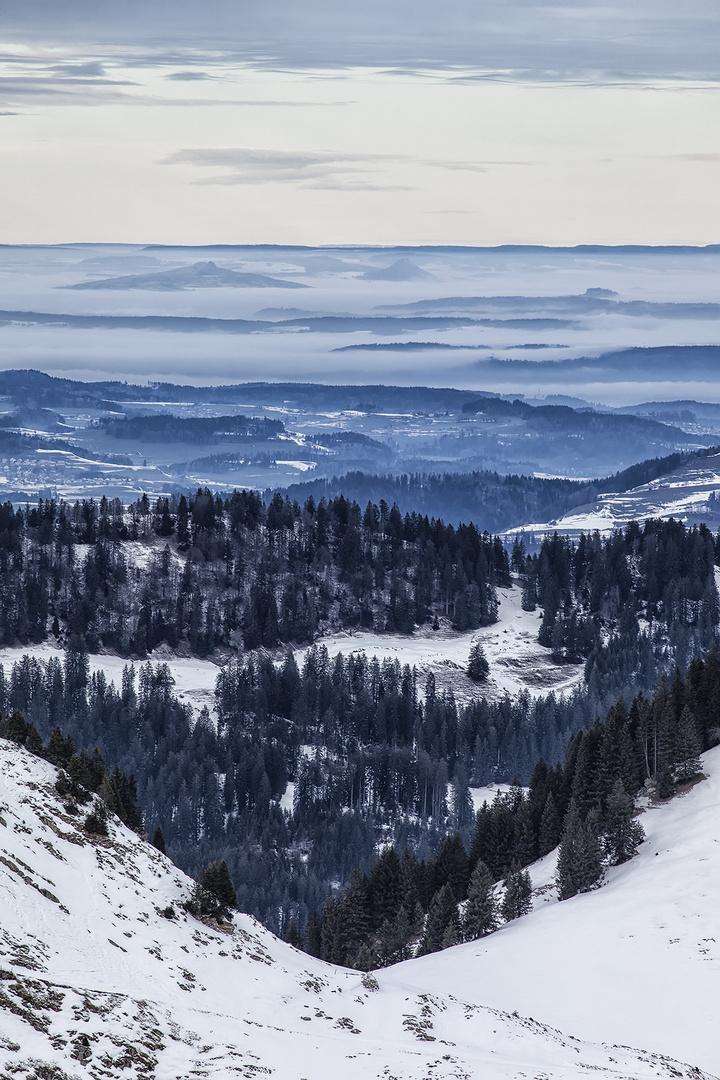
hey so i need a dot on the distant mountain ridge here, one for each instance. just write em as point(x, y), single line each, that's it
point(201, 275)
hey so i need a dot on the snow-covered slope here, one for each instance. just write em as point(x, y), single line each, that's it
point(687, 494)
point(635, 962)
point(97, 981)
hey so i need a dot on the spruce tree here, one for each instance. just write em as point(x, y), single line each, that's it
point(622, 834)
point(478, 668)
point(384, 886)
point(579, 866)
point(480, 916)
point(687, 747)
point(450, 866)
point(549, 832)
point(15, 727)
point(292, 934)
point(158, 840)
point(517, 898)
point(443, 912)
point(665, 784)
point(313, 936)
point(365, 959)
point(224, 888)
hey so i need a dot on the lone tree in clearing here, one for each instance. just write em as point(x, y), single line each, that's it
point(478, 668)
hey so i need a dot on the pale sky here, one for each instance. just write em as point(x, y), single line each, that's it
point(326, 122)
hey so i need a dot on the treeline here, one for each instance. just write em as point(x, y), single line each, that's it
point(564, 419)
point(498, 501)
point(234, 572)
point(163, 427)
point(405, 906)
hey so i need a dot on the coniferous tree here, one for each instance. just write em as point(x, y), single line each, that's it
point(665, 783)
point(292, 934)
point(158, 840)
point(579, 866)
point(622, 835)
point(478, 667)
point(517, 898)
point(687, 747)
point(224, 888)
point(384, 886)
point(443, 914)
point(549, 832)
point(313, 936)
point(450, 866)
point(481, 910)
point(365, 960)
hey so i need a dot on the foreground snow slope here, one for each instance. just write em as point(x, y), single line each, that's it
point(97, 981)
point(636, 962)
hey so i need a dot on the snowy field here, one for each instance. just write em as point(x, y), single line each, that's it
point(103, 971)
point(517, 661)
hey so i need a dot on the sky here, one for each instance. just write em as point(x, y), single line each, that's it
point(476, 122)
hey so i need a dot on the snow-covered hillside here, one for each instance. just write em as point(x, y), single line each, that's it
point(687, 494)
point(635, 962)
point(104, 975)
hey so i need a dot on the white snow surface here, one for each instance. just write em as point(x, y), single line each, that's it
point(635, 962)
point(96, 981)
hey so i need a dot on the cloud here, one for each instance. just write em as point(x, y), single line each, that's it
point(96, 82)
point(594, 39)
point(89, 69)
point(318, 169)
point(474, 166)
point(188, 76)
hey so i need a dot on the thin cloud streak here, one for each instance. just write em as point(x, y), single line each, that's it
point(316, 169)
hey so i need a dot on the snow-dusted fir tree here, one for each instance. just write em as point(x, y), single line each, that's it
point(579, 866)
point(517, 899)
point(481, 911)
point(478, 668)
point(622, 833)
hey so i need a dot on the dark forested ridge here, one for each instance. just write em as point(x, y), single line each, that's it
point(164, 427)
point(499, 501)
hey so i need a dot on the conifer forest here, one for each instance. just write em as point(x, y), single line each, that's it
point(381, 854)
